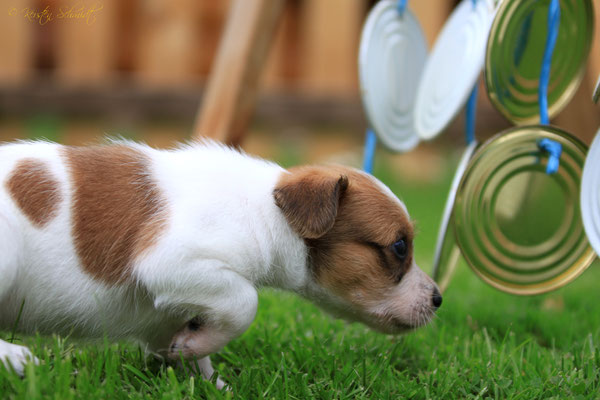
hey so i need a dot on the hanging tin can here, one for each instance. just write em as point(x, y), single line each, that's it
point(519, 228)
point(453, 67)
point(391, 60)
point(515, 51)
point(590, 194)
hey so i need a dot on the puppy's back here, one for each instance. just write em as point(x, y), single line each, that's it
point(76, 218)
point(84, 222)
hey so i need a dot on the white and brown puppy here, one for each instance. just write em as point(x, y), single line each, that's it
point(169, 247)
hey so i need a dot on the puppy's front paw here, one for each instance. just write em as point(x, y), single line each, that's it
point(17, 356)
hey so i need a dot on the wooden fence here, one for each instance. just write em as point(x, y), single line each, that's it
point(173, 42)
point(100, 45)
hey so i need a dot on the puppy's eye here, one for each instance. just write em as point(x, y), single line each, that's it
point(400, 249)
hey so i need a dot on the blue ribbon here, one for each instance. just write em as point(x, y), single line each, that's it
point(401, 6)
point(470, 116)
point(471, 107)
point(553, 148)
point(369, 156)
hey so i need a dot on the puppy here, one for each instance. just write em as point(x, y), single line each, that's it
point(169, 247)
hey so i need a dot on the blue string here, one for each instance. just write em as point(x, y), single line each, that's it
point(470, 117)
point(401, 6)
point(553, 148)
point(471, 107)
point(553, 24)
point(369, 156)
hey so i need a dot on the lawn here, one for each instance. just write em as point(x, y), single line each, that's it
point(483, 344)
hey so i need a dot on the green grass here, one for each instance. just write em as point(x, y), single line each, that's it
point(483, 344)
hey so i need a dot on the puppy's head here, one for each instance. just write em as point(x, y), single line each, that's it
point(360, 243)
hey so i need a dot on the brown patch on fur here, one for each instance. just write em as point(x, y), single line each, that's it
point(35, 190)
point(116, 208)
point(354, 257)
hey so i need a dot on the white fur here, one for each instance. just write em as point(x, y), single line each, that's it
point(224, 238)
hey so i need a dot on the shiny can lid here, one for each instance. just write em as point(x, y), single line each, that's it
point(590, 194)
point(519, 228)
point(447, 253)
point(391, 59)
point(453, 67)
point(515, 51)
point(596, 95)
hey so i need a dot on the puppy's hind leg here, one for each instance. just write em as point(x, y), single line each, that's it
point(204, 367)
point(184, 358)
point(10, 247)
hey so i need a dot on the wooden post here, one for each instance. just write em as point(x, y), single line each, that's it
point(232, 87)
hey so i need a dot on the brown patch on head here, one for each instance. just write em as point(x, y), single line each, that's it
point(35, 190)
point(116, 208)
point(354, 257)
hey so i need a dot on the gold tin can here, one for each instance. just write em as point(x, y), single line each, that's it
point(515, 51)
point(518, 228)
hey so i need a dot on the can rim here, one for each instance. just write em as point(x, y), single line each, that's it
point(440, 275)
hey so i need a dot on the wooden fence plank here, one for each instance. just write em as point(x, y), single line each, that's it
point(16, 42)
point(282, 67)
point(167, 42)
point(231, 90)
point(86, 47)
point(594, 64)
point(581, 117)
point(432, 14)
point(331, 32)
point(126, 29)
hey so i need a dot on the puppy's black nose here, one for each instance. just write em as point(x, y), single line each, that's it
point(436, 299)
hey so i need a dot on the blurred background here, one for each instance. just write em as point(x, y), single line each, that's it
point(138, 69)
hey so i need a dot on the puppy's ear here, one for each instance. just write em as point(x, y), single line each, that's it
point(309, 198)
